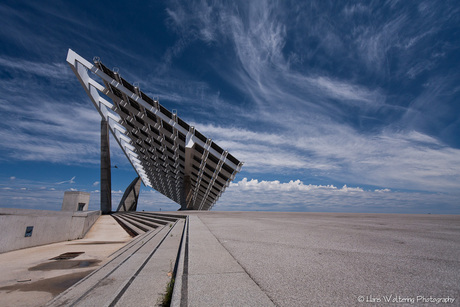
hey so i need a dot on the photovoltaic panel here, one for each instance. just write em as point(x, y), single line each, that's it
point(167, 153)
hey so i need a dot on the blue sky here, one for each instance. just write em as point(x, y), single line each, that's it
point(341, 106)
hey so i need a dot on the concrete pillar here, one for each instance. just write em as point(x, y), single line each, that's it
point(188, 193)
point(106, 176)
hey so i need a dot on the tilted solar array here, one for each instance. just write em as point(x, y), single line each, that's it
point(167, 153)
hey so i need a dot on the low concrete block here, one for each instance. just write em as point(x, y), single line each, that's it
point(75, 201)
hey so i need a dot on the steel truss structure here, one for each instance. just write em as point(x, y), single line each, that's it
point(167, 153)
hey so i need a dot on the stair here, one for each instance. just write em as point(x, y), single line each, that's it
point(136, 223)
point(144, 266)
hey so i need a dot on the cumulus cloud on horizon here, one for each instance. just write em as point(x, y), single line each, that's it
point(293, 185)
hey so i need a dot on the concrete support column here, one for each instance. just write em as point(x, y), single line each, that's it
point(188, 192)
point(106, 176)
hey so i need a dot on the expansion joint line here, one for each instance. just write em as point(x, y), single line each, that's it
point(250, 276)
point(184, 289)
point(176, 264)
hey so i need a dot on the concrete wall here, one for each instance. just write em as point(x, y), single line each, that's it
point(49, 227)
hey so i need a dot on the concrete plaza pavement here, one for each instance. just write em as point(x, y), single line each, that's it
point(343, 259)
point(255, 259)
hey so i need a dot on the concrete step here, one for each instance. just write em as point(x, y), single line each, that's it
point(128, 227)
point(140, 238)
point(166, 216)
point(138, 222)
point(141, 268)
point(153, 219)
point(131, 221)
point(144, 220)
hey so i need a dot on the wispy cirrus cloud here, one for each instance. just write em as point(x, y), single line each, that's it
point(42, 119)
point(258, 38)
point(341, 126)
point(44, 131)
point(391, 159)
point(70, 181)
point(59, 70)
point(35, 194)
point(345, 91)
point(257, 33)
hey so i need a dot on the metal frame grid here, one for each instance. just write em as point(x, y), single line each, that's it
point(167, 153)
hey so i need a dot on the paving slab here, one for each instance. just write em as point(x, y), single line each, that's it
point(334, 259)
point(215, 278)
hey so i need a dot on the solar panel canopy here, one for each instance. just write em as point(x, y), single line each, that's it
point(167, 153)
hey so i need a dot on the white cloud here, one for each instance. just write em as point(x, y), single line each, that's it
point(343, 90)
point(293, 185)
point(32, 198)
point(281, 96)
point(409, 160)
point(96, 183)
point(297, 196)
point(47, 131)
point(56, 70)
point(70, 181)
point(276, 185)
point(359, 8)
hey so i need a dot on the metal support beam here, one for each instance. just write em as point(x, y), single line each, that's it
point(106, 176)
